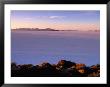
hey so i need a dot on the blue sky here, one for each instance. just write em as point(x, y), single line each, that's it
point(61, 18)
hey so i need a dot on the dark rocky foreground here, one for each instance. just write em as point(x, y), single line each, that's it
point(62, 69)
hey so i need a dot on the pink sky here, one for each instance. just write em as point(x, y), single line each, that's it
point(61, 20)
point(60, 26)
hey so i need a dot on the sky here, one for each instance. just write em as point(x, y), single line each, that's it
point(56, 19)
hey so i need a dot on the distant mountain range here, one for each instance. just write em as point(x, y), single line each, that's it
point(46, 29)
point(35, 29)
point(38, 29)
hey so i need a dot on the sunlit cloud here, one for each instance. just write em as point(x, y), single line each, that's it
point(56, 17)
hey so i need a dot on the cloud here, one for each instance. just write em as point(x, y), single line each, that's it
point(56, 17)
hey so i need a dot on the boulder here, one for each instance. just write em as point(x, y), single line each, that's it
point(79, 66)
point(65, 64)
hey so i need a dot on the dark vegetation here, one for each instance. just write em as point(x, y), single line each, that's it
point(62, 69)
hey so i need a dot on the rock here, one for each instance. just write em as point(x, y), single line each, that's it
point(82, 71)
point(45, 65)
point(78, 66)
point(65, 64)
point(62, 69)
